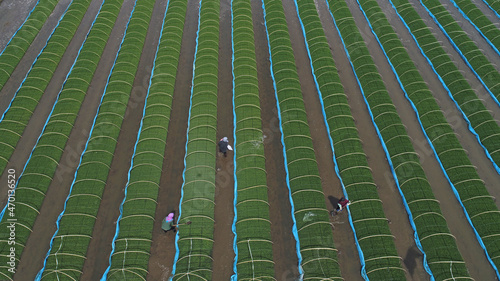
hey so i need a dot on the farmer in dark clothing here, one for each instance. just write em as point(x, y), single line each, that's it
point(168, 223)
point(342, 204)
point(224, 146)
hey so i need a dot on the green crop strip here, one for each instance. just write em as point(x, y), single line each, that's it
point(373, 233)
point(69, 244)
point(31, 91)
point(475, 15)
point(481, 120)
point(481, 65)
point(131, 252)
point(494, 5)
point(318, 255)
point(40, 169)
point(442, 255)
point(194, 243)
point(478, 203)
point(253, 227)
point(21, 41)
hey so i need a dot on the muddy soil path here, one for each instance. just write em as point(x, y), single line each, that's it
point(458, 61)
point(472, 253)
point(99, 248)
point(475, 152)
point(280, 212)
point(343, 235)
point(388, 192)
point(223, 253)
point(473, 34)
point(44, 107)
point(487, 12)
point(11, 13)
point(163, 245)
point(44, 227)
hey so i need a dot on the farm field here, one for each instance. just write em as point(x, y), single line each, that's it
point(112, 111)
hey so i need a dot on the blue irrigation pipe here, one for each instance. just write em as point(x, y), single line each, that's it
point(410, 216)
point(117, 231)
point(478, 237)
point(469, 126)
point(36, 59)
point(176, 258)
point(47, 120)
point(491, 8)
point(476, 27)
point(344, 191)
point(234, 277)
point(294, 226)
point(39, 275)
point(25, 20)
point(460, 52)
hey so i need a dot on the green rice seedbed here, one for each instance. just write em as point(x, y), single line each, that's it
point(132, 245)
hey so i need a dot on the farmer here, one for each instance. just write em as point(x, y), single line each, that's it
point(168, 223)
point(224, 146)
point(342, 204)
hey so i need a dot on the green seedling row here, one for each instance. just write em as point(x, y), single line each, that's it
point(133, 244)
point(70, 243)
point(482, 22)
point(382, 261)
point(31, 91)
point(481, 120)
point(475, 57)
point(494, 5)
point(442, 255)
point(40, 169)
point(463, 175)
point(318, 255)
point(195, 242)
point(253, 227)
point(21, 41)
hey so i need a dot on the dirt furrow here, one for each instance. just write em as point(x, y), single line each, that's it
point(223, 253)
point(13, 13)
point(475, 152)
point(393, 207)
point(473, 34)
point(44, 227)
point(105, 226)
point(9, 15)
point(280, 214)
point(451, 209)
point(459, 62)
point(487, 12)
point(163, 245)
point(44, 107)
point(343, 235)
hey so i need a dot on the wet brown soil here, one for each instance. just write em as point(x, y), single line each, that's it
point(459, 62)
point(223, 254)
point(343, 235)
point(105, 226)
point(473, 255)
point(44, 227)
point(284, 244)
point(8, 16)
point(12, 15)
point(163, 245)
point(469, 143)
point(473, 34)
point(388, 192)
point(21, 154)
point(487, 12)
